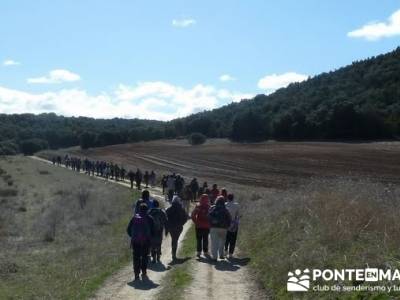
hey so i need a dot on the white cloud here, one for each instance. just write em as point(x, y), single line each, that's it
point(226, 77)
point(10, 62)
point(183, 22)
point(147, 100)
point(377, 30)
point(56, 76)
point(270, 83)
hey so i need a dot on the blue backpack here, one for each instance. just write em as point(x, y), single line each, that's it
point(141, 230)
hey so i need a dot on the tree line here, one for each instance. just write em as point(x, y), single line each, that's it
point(359, 101)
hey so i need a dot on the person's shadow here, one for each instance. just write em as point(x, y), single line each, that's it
point(144, 284)
point(158, 267)
point(179, 261)
point(229, 265)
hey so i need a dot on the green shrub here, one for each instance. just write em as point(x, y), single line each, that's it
point(30, 146)
point(8, 148)
point(197, 139)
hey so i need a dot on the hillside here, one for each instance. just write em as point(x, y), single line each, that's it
point(359, 101)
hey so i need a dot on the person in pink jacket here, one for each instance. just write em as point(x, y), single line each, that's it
point(200, 219)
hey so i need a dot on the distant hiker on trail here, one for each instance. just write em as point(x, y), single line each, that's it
point(231, 235)
point(170, 187)
point(186, 197)
point(224, 194)
point(141, 229)
point(152, 178)
point(138, 178)
point(220, 219)
point(131, 176)
point(177, 217)
point(194, 187)
point(164, 184)
point(122, 173)
point(214, 193)
point(200, 219)
point(145, 199)
point(160, 222)
point(146, 178)
point(179, 184)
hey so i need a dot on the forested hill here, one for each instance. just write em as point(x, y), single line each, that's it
point(29, 133)
point(359, 101)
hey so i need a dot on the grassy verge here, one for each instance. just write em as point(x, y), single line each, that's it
point(180, 277)
point(326, 225)
point(62, 234)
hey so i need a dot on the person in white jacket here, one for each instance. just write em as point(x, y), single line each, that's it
point(231, 235)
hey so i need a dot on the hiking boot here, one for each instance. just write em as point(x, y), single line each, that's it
point(230, 255)
point(137, 277)
point(153, 260)
point(206, 254)
point(198, 254)
point(144, 276)
point(221, 257)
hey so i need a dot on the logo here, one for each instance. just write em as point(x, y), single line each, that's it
point(298, 281)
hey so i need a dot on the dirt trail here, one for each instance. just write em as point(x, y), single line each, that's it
point(224, 280)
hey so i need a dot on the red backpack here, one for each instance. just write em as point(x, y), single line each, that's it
point(202, 217)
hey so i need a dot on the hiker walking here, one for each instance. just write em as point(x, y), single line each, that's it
point(194, 187)
point(140, 229)
point(231, 235)
point(164, 184)
point(138, 178)
point(170, 187)
point(160, 222)
point(186, 197)
point(131, 176)
point(177, 217)
point(214, 193)
point(200, 219)
point(146, 178)
point(220, 219)
point(145, 199)
point(152, 178)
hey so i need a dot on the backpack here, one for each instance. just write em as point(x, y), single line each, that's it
point(141, 230)
point(217, 217)
point(158, 226)
point(202, 215)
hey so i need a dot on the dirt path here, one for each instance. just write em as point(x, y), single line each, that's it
point(224, 280)
point(120, 285)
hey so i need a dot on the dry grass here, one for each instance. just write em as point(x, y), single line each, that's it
point(68, 231)
point(326, 224)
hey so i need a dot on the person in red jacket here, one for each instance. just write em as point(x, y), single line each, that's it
point(214, 193)
point(200, 219)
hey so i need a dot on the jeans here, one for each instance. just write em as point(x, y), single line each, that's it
point(230, 242)
point(202, 239)
point(140, 257)
point(175, 233)
point(218, 236)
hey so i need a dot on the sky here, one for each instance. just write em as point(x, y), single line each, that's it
point(167, 59)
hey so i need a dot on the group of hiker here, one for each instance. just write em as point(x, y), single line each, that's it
point(217, 220)
point(215, 216)
point(107, 170)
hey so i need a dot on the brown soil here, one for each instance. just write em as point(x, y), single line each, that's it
point(270, 165)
